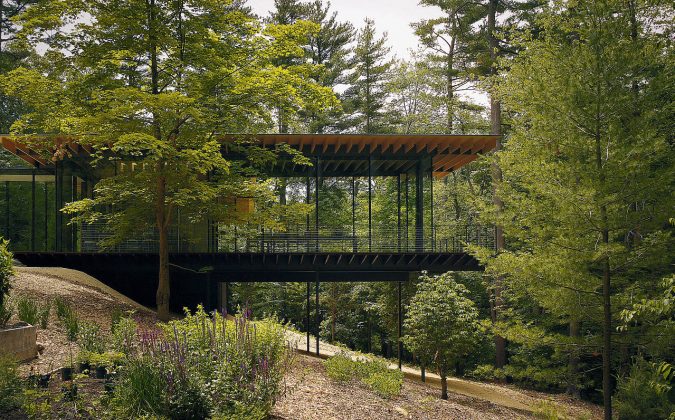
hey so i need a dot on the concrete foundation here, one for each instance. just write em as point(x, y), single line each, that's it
point(19, 341)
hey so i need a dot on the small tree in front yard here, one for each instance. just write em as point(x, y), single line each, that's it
point(442, 324)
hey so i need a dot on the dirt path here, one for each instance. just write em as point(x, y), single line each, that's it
point(508, 397)
point(314, 396)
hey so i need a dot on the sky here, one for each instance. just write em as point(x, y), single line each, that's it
point(392, 16)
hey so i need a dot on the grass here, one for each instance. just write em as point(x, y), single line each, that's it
point(373, 373)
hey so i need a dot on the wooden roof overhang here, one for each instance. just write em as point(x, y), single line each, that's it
point(338, 154)
point(390, 154)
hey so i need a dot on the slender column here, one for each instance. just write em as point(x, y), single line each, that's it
point(7, 210)
point(58, 190)
point(46, 215)
point(307, 325)
point(419, 207)
point(354, 245)
point(307, 200)
point(431, 207)
point(32, 212)
point(400, 326)
point(370, 201)
point(407, 211)
point(398, 211)
point(316, 200)
point(317, 321)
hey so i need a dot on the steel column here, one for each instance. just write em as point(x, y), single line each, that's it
point(419, 207)
point(32, 212)
point(407, 211)
point(46, 215)
point(400, 326)
point(398, 211)
point(316, 200)
point(317, 320)
point(370, 200)
point(7, 210)
point(354, 245)
point(307, 325)
point(431, 207)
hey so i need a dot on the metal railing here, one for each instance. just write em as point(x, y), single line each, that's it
point(437, 239)
point(450, 238)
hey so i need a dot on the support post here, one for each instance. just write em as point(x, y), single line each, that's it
point(46, 216)
point(7, 210)
point(317, 321)
point(370, 201)
point(431, 207)
point(308, 326)
point(58, 196)
point(419, 207)
point(316, 200)
point(400, 327)
point(398, 211)
point(354, 244)
point(407, 212)
point(32, 212)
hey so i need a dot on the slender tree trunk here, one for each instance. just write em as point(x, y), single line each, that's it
point(444, 386)
point(573, 364)
point(496, 129)
point(163, 289)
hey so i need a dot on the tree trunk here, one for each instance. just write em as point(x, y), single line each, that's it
point(163, 289)
point(444, 386)
point(496, 129)
point(573, 364)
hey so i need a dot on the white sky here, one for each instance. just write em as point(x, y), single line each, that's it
point(392, 16)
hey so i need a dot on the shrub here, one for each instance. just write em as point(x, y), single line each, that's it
point(27, 310)
point(10, 384)
point(68, 318)
point(203, 364)
point(123, 337)
point(89, 337)
point(374, 373)
point(6, 270)
point(43, 315)
point(643, 394)
point(6, 311)
point(385, 384)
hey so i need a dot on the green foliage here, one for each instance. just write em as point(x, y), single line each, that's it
point(10, 384)
point(374, 373)
point(27, 310)
point(6, 270)
point(89, 337)
point(204, 366)
point(68, 318)
point(441, 322)
point(6, 312)
point(43, 314)
point(644, 393)
point(123, 337)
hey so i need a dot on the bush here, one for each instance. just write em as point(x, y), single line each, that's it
point(10, 385)
point(374, 373)
point(643, 394)
point(6, 311)
point(89, 337)
point(27, 310)
point(68, 318)
point(124, 335)
point(43, 315)
point(385, 384)
point(203, 364)
point(6, 270)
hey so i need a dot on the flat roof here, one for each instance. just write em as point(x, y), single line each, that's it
point(340, 152)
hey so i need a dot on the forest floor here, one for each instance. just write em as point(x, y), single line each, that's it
point(310, 393)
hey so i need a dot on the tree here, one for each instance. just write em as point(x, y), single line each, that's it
point(154, 82)
point(441, 323)
point(364, 99)
point(586, 170)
